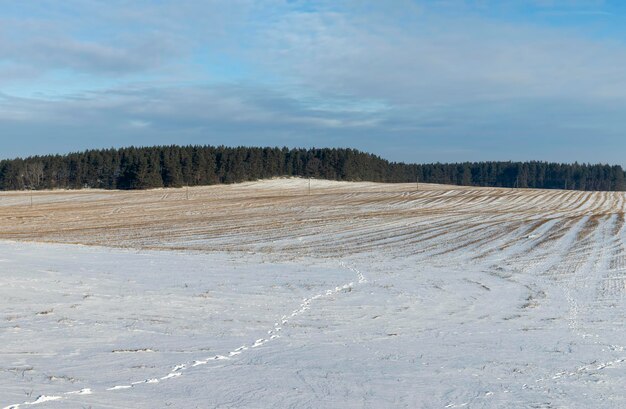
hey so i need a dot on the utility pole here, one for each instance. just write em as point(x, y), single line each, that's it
point(31, 200)
point(187, 192)
point(417, 180)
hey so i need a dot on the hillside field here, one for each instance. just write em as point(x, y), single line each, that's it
point(342, 295)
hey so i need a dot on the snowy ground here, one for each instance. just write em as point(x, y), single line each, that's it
point(365, 296)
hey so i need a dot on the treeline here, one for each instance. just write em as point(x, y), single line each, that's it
point(540, 175)
point(176, 166)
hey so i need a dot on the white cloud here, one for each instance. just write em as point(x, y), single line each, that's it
point(440, 60)
point(139, 124)
point(355, 73)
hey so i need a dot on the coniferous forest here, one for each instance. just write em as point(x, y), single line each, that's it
point(176, 166)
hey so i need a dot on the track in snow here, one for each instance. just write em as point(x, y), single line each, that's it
point(180, 369)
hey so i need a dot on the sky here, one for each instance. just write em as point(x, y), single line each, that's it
point(409, 80)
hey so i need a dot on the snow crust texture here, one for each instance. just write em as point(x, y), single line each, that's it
point(357, 295)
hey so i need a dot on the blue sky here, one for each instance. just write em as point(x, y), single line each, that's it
point(416, 81)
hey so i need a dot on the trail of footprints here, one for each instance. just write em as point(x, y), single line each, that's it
point(584, 258)
point(179, 369)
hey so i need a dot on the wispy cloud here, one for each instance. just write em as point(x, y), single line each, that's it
point(440, 79)
point(440, 60)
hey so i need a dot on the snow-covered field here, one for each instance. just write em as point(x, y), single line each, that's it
point(359, 295)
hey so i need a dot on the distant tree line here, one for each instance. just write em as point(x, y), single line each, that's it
point(540, 175)
point(176, 166)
